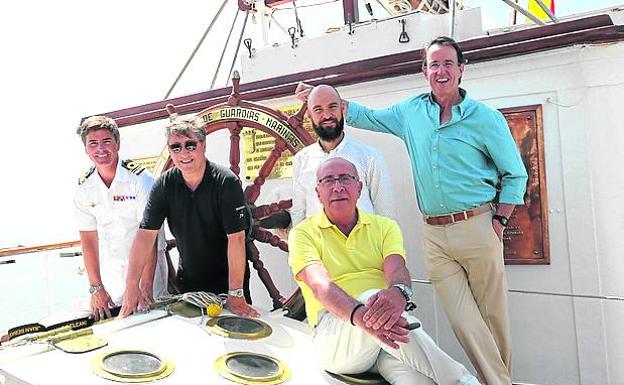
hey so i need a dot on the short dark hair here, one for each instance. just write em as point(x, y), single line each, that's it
point(97, 122)
point(443, 41)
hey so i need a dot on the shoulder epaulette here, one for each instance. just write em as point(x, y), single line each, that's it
point(87, 174)
point(132, 166)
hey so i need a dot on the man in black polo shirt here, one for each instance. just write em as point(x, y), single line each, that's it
point(205, 209)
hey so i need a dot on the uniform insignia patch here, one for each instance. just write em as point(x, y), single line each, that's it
point(132, 166)
point(86, 175)
point(241, 212)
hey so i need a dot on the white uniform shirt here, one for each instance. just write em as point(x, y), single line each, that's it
point(376, 196)
point(115, 213)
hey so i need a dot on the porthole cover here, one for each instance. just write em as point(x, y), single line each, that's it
point(131, 366)
point(252, 368)
point(239, 327)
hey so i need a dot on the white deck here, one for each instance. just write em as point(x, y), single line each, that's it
point(190, 347)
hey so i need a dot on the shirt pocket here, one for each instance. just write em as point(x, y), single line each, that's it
point(101, 213)
point(463, 150)
point(459, 139)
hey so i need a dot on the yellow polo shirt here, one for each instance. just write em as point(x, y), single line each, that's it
point(354, 263)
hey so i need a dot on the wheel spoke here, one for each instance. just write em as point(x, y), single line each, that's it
point(253, 190)
point(271, 208)
point(265, 236)
point(254, 256)
point(235, 149)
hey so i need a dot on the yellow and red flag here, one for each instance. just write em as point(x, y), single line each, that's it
point(536, 10)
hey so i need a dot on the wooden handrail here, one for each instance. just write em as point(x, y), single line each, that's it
point(32, 249)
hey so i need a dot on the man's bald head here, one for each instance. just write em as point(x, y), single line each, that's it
point(334, 162)
point(324, 91)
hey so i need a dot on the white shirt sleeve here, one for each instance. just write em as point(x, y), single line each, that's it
point(298, 210)
point(144, 187)
point(379, 186)
point(145, 181)
point(85, 220)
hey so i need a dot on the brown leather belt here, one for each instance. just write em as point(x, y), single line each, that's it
point(457, 217)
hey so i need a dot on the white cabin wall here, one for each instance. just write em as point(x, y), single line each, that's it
point(556, 339)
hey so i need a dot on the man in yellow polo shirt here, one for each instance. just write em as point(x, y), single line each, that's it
point(343, 256)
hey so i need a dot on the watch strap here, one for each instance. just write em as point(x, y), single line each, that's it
point(239, 293)
point(95, 288)
point(405, 290)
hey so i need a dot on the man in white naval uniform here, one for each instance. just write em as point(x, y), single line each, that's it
point(326, 111)
point(109, 203)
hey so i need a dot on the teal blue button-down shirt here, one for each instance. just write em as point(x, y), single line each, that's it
point(456, 165)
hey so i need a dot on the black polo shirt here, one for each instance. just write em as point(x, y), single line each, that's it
point(200, 221)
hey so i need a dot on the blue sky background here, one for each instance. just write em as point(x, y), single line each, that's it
point(67, 59)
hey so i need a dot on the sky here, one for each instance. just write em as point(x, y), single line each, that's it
point(67, 59)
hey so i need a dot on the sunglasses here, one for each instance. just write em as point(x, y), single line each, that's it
point(190, 145)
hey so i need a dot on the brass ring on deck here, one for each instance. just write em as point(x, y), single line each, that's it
point(216, 325)
point(164, 369)
point(281, 372)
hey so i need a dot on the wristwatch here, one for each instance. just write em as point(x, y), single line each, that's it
point(501, 219)
point(95, 289)
point(405, 290)
point(238, 293)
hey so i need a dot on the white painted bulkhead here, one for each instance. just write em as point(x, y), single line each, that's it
point(556, 339)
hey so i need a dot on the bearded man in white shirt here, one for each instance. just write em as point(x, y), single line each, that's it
point(326, 111)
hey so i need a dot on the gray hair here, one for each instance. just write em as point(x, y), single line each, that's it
point(185, 128)
point(97, 122)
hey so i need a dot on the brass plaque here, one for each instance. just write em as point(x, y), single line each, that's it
point(526, 237)
point(257, 146)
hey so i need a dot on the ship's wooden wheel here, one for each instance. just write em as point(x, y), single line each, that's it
point(289, 135)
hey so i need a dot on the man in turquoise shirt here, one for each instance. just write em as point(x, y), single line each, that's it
point(462, 154)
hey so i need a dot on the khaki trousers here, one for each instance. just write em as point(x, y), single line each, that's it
point(465, 264)
point(346, 349)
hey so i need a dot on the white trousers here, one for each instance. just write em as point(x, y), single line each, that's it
point(346, 349)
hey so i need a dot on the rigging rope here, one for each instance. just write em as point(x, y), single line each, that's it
point(201, 41)
point(240, 38)
point(214, 78)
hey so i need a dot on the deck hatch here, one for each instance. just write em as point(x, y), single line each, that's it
point(239, 328)
point(132, 366)
point(252, 368)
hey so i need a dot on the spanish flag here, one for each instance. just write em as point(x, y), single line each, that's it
point(536, 10)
